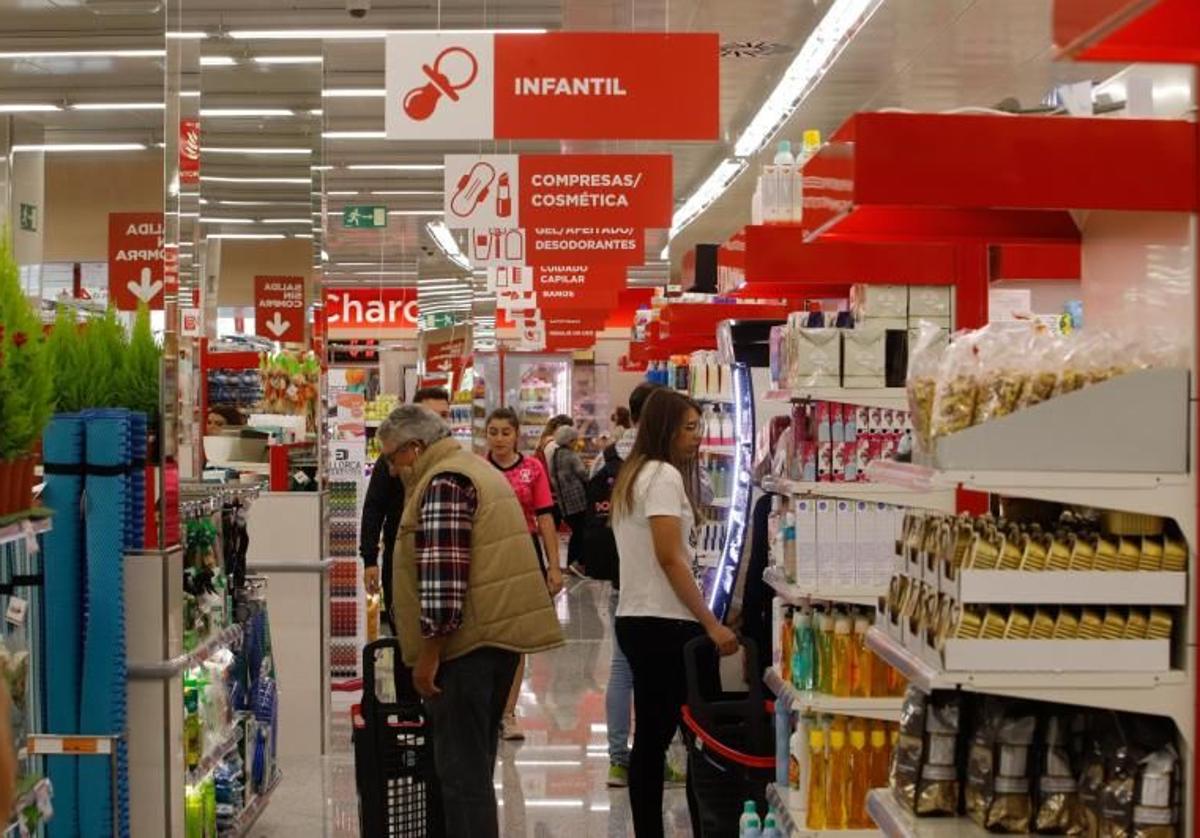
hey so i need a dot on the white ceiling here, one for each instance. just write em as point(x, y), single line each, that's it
point(918, 54)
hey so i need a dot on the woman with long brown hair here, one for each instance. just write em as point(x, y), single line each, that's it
point(661, 607)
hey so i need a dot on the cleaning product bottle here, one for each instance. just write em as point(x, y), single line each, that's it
point(879, 676)
point(783, 729)
point(797, 760)
point(879, 757)
point(842, 650)
point(825, 661)
point(787, 648)
point(193, 731)
point(804, 653)
point(818, 785)
point(860, 780)
point(860, 659)
point(785, 174)
point(749, 826)
point(771, 826)
point(838, 780)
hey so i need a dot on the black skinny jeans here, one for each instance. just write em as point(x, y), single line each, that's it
point(654, 648)
point(577, 524)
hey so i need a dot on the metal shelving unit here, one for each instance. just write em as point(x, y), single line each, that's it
point(897, 822)
point(872, 397)
point(878, 492)
point(794, 594)
point(791, 821)
point(886, 708)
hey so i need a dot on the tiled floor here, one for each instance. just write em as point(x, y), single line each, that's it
point(549, 786)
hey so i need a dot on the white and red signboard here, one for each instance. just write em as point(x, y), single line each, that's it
point(496, 247)
point(189, 151)
point(568, 190)
point(579, 286)
point(135, 259)
point(593, 245)
point(190, 323)
point(554, 85)
point(279, 308)
point(376, 309)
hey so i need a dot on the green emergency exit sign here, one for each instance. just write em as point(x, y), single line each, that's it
point(364, 217)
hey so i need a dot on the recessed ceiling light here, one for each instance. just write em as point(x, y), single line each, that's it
point(354, 93)
point(249, 112)
point(205, 149)
point(86, 53)
point(288, 59)
point(28, 108)
point(68, 147)
point(118, 106)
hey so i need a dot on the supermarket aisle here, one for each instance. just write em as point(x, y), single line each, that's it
point(549, 786)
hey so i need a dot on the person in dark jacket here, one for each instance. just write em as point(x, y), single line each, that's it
point(384, 503)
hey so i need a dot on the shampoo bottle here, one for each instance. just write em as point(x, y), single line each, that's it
point(817, 780)
point(838, 780)
point(842, 650)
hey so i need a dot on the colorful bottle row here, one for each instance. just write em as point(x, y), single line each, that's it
point(844, 760)
point(826, 652)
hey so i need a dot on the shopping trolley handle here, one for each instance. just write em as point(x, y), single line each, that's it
point(720, 748)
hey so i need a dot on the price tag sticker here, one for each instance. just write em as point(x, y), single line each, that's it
point(31, 541)
point(17, 609)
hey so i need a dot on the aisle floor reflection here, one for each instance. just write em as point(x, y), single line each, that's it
point(551, 785)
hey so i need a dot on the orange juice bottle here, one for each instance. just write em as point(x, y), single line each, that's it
point(838, 780)
point(818, 786)
point(860, 779)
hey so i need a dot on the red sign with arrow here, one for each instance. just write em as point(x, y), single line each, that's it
point(279, 308)
point(135, 259)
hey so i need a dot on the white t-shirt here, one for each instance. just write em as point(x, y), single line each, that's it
point(645, 590)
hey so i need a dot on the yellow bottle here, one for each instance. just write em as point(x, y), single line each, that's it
point(879, 675)
point(817, 780)
point(825, 664)
point(838, 781)
point(861, 674)
point(843, 649)
point(860, 780)
point(880, 753)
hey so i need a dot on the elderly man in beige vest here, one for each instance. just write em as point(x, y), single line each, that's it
point(469, 600)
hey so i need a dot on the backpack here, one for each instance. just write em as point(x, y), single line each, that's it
point(600, 545)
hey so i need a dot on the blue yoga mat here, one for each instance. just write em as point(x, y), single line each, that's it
point(103, 710)
point(136, 481)
point(63, 561)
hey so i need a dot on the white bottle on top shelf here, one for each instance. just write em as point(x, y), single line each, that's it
point(712, 376)
point(785, 175)
point(727, 428)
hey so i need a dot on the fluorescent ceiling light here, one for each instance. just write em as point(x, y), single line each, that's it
point(189, 94)
point(384, 273)
point(68, 147)
point(301, 235)
point(118, 106)
point(86, 53)
point(247, 112)
point(246, 236)
point(316, 112)
point(288, 59)
point(382, 192)
point(700, 200)
point(217, 61)
point(215, 179)
point(186, 36)
point(344, 192)
point(354, 93)
point(287, 221)
point(416, 212)
point(359, 34)
point(226, 220)
point(395, 167)
point(322, 168)
point(355, 135)
point(261, 203)
point(28, 108)
point(205, 149)
point(826, 42)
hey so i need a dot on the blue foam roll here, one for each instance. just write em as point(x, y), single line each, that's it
point(103, 710)
point(63, 560)
point(136, 481)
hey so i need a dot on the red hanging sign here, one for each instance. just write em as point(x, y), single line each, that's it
point(593, 245)
point(279, 308)
point(572, 190)
point(371, 308)
point(587, 286)
point(554, 85)
point(135, 259)
point(189, 151)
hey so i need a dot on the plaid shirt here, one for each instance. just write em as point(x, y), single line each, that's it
point(444, 552)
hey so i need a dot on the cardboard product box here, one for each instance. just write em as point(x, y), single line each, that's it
point(844, 575)
point(864, 358)
point(808, 460)
point(824, 462)
point(837, 422)
point(850, 422)
point(895, 363)
point(875, 426)
point(849, 456)
point(864, 544)
point(838, 470)
point(818, 361)
point(930, 301)
point(827, 541)
point(862, 420)
point(805, 570)
point(862, 456)
point(944, 324)
point(882, 324)
point(823, 421)
point(879, 300)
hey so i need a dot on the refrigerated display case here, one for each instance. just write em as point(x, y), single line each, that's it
point(590, 408)
point(536, 386)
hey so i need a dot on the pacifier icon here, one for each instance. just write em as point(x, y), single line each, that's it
point(420, 102)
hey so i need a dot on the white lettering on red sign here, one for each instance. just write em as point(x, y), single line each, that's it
point(559, 86)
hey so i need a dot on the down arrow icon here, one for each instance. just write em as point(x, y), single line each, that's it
point(277, 326)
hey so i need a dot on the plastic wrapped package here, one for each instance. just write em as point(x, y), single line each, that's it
point(938, 788)
point(924, 360)
point(1155, 814)
point(1056, 790)
point(818, 358)
point(1005, 351)
point(1044, 360)
point(998, 787)
point(958, 377)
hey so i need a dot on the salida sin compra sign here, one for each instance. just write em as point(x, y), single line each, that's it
point(279, 308)
point(135, 259)
point(554, 85)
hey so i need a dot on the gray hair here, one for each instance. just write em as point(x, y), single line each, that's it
point(566, 435)
point(414, 423)
point(389, 431)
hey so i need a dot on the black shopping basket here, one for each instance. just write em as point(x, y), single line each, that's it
point(730, 740)
point(398, 792)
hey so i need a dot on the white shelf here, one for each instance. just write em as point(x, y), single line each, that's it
point(23, 529)
point(1072, 587)
point(869, 397)
point(898, 495)
point(793, 820)
point(1156, 693)
point(722, 450)
point(886, 708)
point(795, 594)
point(897, 822)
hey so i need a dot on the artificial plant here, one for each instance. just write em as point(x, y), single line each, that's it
point(25, 383)
point(141, 368)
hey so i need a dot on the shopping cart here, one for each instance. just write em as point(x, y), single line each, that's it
point(730, 739)
point(398, 792)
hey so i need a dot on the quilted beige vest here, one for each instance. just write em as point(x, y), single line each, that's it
point(507, 604)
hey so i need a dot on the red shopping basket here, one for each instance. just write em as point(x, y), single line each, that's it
point(398, 793)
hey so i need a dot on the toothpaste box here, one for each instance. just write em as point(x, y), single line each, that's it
point(844, 574)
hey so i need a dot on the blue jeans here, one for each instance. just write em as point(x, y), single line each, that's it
point(618, 698)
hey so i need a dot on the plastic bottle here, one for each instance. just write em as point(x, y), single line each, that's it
point(825, 663)
point(879, 675)
point(843, 647)
point(787, 652)
point(712, 425)
point(785, 173)
point(838, 780)
point(749, 826)
point(796, 759)
point(783, 726)
point(818, 785)
point(804, 654)
point(771, 826)
point(860, 659)
point(812, 144)
point(712, 376)
point(877, 774)
point(860, 780)
point(727, 437)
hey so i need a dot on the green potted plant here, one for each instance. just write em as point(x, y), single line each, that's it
point(25, 385)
